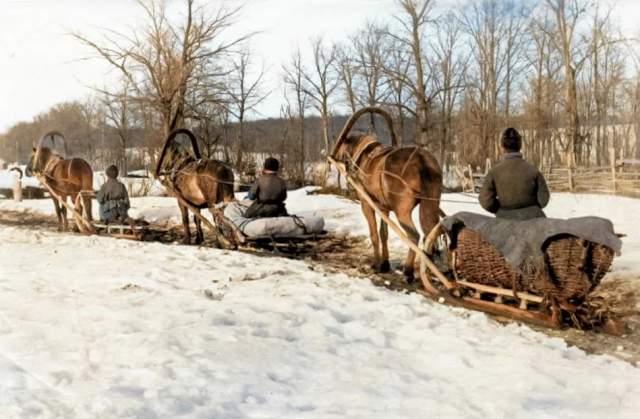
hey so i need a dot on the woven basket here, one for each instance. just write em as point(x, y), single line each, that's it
point(573, 267)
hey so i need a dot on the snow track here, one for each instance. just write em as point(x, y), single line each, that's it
point(98, 327)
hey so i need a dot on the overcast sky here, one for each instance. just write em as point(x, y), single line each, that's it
point(40, 65)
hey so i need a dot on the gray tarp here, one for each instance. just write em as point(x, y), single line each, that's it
point(273, 226)
point(521, 242)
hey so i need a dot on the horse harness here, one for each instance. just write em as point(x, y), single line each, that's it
point(379, 151)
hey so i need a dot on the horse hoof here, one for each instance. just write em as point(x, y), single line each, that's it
point(385, 267)
point(199, 240)
point(186, 241)
point(408, 275)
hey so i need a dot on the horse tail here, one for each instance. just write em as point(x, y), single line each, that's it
point(86, 192)
point(86, 204)
point(431, 189)
point(225, 184)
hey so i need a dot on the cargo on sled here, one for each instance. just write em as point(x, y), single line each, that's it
point(545, 271)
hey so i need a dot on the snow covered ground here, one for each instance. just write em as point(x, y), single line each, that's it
point(99, 327)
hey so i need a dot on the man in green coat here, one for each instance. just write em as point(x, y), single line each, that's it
point(514, 189)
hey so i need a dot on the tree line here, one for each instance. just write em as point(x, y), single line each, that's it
point(453, 79)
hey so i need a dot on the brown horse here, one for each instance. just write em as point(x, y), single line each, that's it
point(66, 178)
point(201, 183)
point(397, 179)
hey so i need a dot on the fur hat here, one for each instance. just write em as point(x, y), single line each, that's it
point(112, 172)
point(511, 140)
point(271, 164)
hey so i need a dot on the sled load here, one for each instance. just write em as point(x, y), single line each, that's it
point(540, 270)
point(284, 233)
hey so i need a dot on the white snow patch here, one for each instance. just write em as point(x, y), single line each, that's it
point(99, 327)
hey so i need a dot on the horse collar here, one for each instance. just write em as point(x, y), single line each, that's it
point(358, 155)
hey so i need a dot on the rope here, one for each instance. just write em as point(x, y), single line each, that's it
point(415, 194)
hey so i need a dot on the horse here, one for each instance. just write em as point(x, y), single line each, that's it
point(397, 179)
point(66, 178)
point(200, 183)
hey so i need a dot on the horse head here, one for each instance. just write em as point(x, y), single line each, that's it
point(352, 145)
point(347, 145)
point(38, 160)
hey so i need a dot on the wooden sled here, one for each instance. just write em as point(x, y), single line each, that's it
point(503, 303)
point(123, 231)
point(290, 245)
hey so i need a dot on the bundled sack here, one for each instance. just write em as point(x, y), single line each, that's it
point(289, 226)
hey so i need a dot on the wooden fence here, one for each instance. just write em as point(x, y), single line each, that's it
point(620, 179)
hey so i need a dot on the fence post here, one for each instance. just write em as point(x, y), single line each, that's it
point(612, 153)
point(570, 174)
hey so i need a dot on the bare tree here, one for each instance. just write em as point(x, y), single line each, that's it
point(607, 68)
point(574, 52)
point(542, 98)
point(163, 60)
point(347, 68)
point(294, 81)
point(320, 83)
point(120, 113)
point(369, 57)
point(244, 93)
point(496, 31)
point(396, 79)
point(449, 68)
point(413, 22)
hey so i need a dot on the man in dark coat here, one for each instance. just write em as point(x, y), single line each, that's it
point(113, 199)
point(268, 193)
point(514, 188)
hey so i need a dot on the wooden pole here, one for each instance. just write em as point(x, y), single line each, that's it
point(394, 226)
point(196, 212)
point(612, 153)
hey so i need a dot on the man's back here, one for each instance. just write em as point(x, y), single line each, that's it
point(114, 201)
point(514, 189)
point(270, 189)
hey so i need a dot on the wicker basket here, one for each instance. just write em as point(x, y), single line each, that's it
point(573, 267)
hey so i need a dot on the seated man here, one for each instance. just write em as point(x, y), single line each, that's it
point(514, 188)
point(113, 199)
point(268, 193)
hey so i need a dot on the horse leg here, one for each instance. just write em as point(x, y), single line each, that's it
point(370, 215)
point(404, 217)
point(429, 215)
point(56, 206)
point(384, 238)
point(63, 210)
point(198, 223)
point(75, 200)
point(185, 223)
point(86, 206)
